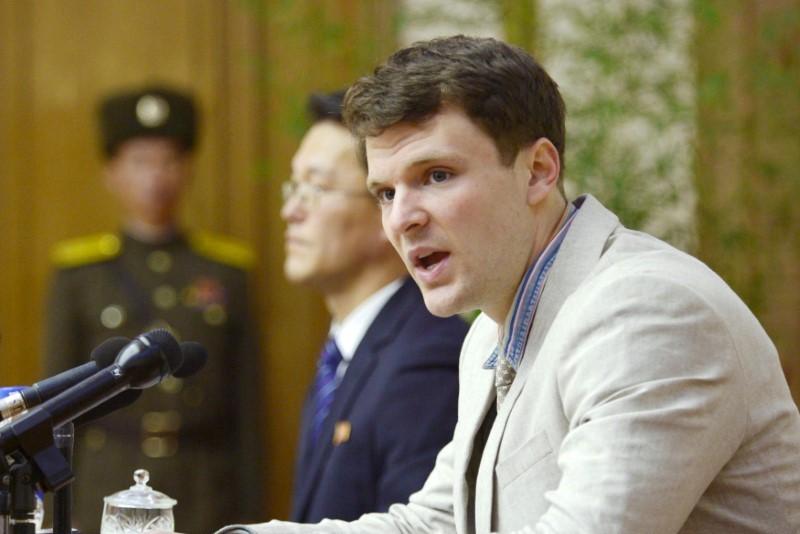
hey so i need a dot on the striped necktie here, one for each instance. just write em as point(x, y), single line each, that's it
point(325, 385)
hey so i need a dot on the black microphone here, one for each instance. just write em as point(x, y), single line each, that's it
point(146, 360)
point(101, 357)
point(194, 358)
point(142, 363)
point(126, 398)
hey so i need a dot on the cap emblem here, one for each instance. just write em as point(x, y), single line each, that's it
point(152, 111)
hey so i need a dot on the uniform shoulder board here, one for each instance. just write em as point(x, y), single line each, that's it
point(223, 249)
point(86, 250)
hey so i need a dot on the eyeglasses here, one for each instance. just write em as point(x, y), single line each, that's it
point(309, 193)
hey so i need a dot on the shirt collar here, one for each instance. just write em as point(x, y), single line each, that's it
point(350, 331)
point(520, 318)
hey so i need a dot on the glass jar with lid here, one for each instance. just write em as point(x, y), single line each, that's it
point(138, 509)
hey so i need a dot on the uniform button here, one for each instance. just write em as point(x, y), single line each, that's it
point(215, 315)
point(161, 422)
point(112, 316)
point(159, 261)
point(165, 297)
point(171, 385)
point(94, 438)
point(159, 447)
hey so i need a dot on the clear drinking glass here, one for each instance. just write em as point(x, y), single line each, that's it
point(138, 509)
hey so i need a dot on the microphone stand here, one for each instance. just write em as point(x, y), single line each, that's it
point(64, 437)
point(35, 458)
point(21, 484)
point(141, 364)
point(18, 490)
point(5, 495)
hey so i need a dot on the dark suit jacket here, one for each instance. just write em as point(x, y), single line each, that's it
point(398, 398)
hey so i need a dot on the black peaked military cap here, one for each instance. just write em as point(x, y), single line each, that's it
point(156, 111)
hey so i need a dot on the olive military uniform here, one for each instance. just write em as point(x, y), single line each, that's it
point(197, 437)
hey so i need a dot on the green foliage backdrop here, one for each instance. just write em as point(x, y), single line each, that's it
point(748, 158)
point(626, 76)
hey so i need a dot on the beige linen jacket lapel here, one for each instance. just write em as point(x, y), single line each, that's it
point(473, 407)
point(579, 253)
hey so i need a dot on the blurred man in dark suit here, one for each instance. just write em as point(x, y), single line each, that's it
point(383, 401)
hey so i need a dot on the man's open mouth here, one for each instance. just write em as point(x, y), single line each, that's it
point(429, 261)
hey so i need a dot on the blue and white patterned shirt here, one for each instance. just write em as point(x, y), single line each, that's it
point(526, 300)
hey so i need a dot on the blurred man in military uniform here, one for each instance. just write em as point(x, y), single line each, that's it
point(198, 438)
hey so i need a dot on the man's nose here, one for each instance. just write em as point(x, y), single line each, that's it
point(293, 208)
point(406, 213)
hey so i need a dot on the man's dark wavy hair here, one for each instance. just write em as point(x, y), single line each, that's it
point(500, 87)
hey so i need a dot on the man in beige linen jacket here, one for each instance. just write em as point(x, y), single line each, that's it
point(612, 384)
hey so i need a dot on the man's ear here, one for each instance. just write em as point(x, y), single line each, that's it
point(544, 166)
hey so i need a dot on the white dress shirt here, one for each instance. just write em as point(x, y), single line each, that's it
point(349, 332)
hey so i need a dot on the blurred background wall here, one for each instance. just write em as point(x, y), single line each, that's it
point(684, 117)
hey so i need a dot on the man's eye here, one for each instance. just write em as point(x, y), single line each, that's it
point(439, 176)
point(384, 196)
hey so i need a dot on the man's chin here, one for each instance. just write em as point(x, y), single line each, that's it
point(441, 305)
point(295, 274)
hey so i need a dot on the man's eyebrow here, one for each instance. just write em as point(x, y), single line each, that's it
point(373, 184)
point(436, 157)
point(423, 160)
point(313, 172)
